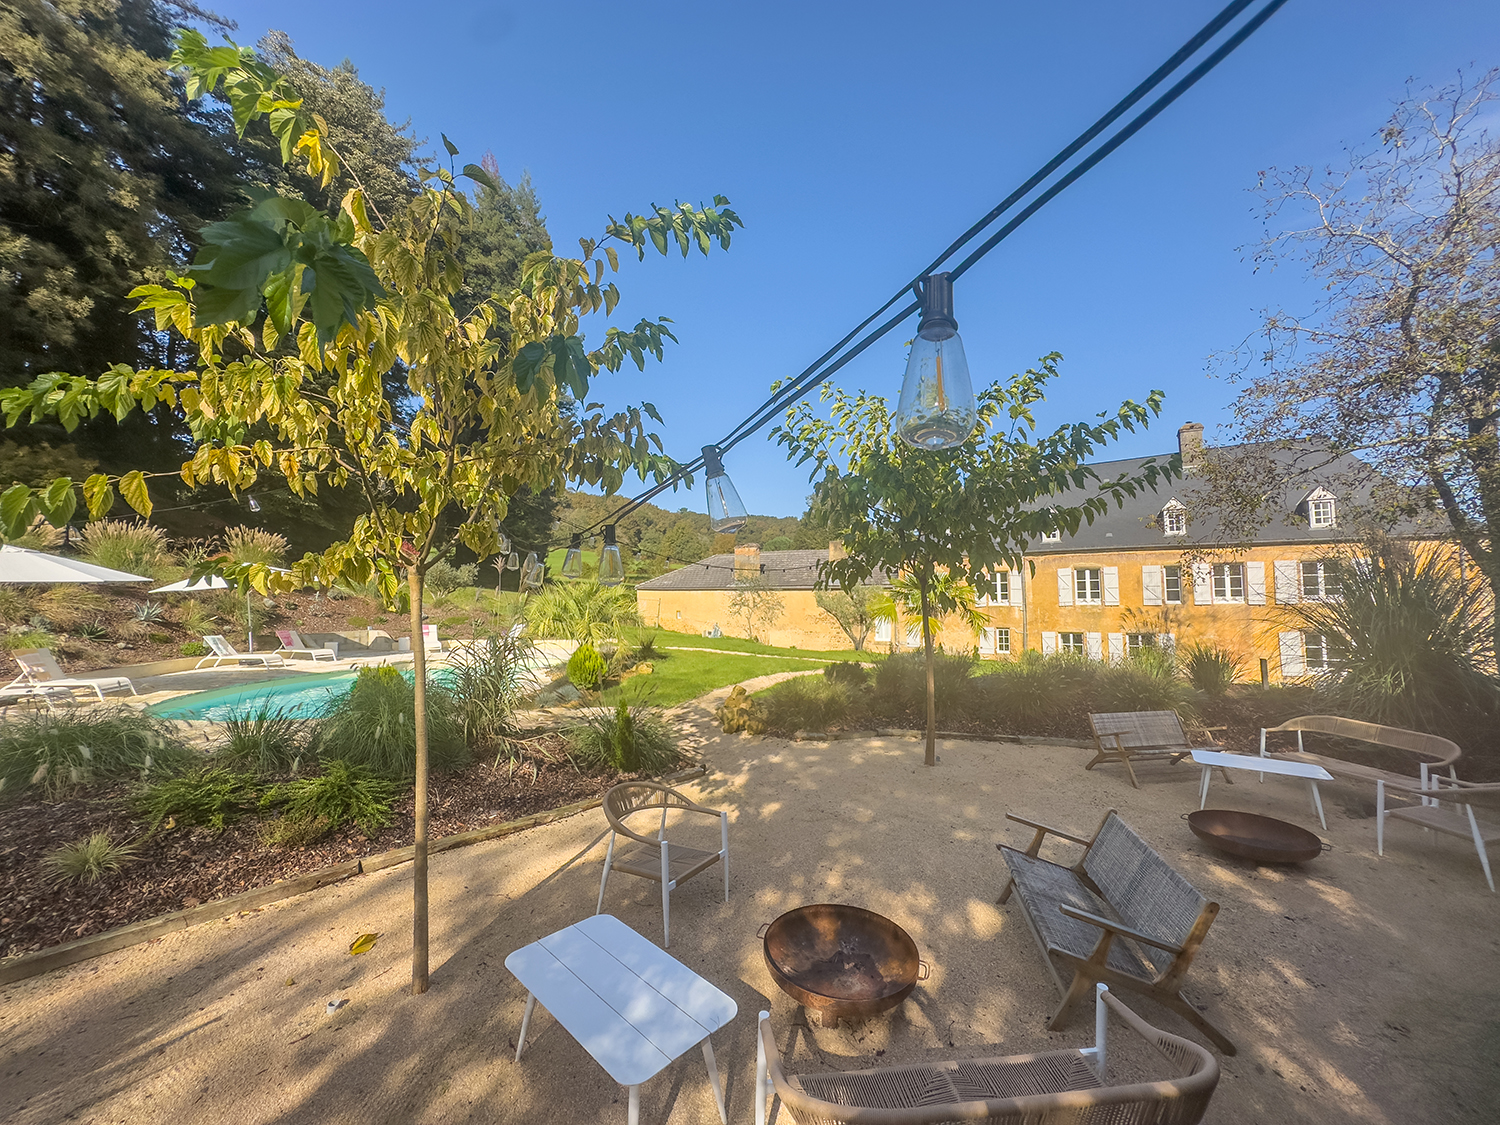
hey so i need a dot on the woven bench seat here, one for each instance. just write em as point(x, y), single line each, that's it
point(1043, 887)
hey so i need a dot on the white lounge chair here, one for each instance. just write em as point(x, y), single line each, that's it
point(430, 640)
point(39, 671)
point(293, 646)
point(222, 650)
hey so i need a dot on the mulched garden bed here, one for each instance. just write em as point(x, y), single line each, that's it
point(184, 867)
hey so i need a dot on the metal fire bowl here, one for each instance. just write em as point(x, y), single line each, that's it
point(841, 961)
point(1256, 837)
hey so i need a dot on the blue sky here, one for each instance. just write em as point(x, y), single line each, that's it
point(857, 139)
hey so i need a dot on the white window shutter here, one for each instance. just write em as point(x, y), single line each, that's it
point(1203, 584)
point(1111, 585)
point(986, 640)
point(1093, 646)
point(1292, 661)
point(1049, 643)
point(1255, 583)
point(1153, 585)
point(1167, 641)
point(1065, 585)
point(1288, 581)
point(1116, 647)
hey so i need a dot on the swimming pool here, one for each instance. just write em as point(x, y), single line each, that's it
point(304, 696)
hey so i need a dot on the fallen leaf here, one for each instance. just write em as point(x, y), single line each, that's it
point(364, 943)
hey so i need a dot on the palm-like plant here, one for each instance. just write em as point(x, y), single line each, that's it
point(905, 600)
point(585, 612)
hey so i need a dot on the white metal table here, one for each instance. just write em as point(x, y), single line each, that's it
point(633, 1007)
point(1218, 759)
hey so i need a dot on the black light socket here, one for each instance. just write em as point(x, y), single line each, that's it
point(937, 308)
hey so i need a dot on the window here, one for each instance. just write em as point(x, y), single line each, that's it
point(1174, 519)
point(1002, 592)
point(884, 632)
point(1071, 643)
point(1320, 581)
point(1088, 586)
point(994, 640)
point(1317, 653)
point(1229, 582)
point(1053, 536)
point(1320, 512)
point(1002, 640)
point(1134, 642)
point(1173, 584)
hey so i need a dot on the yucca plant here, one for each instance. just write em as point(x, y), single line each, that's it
point(137, 548)
point(1211, 668)
point(86, 860)
point(1413, 644)
point(585, 612)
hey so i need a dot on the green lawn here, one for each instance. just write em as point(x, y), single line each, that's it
point(666, 638)
point(680, 676)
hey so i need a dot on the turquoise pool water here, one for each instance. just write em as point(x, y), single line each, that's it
point(305, 696)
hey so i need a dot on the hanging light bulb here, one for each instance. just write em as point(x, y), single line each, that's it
point(725, 512)
point(253, 503)
point(573, 561)
point(502, 541)
point(532, 572)
point(513, 560)
point(611, 566)
point(937, 408)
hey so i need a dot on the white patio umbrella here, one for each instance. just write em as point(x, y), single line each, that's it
point(23, 566)
point(214, 582)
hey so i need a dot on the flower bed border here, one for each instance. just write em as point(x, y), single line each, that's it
point(136, 933)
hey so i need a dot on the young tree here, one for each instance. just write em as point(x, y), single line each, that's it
point(338, 302)
point(1399, 363)
point(963, 511)
point(855, 611)
point(755, 604)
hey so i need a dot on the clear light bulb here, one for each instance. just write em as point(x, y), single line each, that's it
point(532, 573)
point(611, 566)
point(937, 409)
point(513, 561)
point(572, 566)
point(726, 513)
point(502, 541)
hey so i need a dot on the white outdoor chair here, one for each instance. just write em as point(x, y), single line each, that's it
point(1458, 821)
point(293, 646)
point(430, 640)
point(222, 650)
point(655, 857)
point(39, 670)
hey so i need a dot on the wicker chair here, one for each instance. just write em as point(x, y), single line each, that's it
point(657, 858)
point(1123, 736)
point(1050, 1088)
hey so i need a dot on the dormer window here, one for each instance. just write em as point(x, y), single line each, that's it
point(1053, 536)
point(1319, 507)
point(1174, 519)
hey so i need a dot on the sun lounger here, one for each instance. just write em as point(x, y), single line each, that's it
point(39, 670)
point(222, 650)
point(292, 646)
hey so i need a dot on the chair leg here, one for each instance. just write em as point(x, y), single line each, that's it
point(635, 1106)
point(1010, 885)
point(1484, 859)
point(666, 899)
point(603, 879)
point(1080, 988)
point(761, 1077)
point(1380, 818)
point(713, 1078)
point(1124, 757)
point(1196, 1018)
point(724, 844)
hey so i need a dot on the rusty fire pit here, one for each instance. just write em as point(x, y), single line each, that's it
point(1256, 837)
point(842, 962)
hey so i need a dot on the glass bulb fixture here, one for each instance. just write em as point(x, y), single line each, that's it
point(572, 566)
point(937, 409)
point(725, 511)
point(513, 561)
point(532, 572)
point(253, 503)
point(502, 541)
point(611, 566)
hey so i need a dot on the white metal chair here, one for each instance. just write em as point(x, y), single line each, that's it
point(657, 858)
point(292, 645)
point(1459, 821)
point(39, 670)
point(222, 650)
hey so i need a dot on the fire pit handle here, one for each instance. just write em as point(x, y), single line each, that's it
point(924, 970)
point(1327, 847)
point(764, 926)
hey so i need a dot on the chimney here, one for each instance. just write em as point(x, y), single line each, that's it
point(1190, 442)
point(836, 550)
point(746, 562)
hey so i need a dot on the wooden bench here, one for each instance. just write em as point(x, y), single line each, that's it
point(1432, 751)
point(1049, 1088)
point(1142, 735)
point(1120, 915)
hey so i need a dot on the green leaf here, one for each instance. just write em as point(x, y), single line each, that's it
point(480, 176)
point(527, 364)
point(17, 510)
point(58, 501)
point(133, 490)
point(450, 146)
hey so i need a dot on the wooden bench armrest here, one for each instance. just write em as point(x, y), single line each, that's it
point(1120, 928)
point(1047, 830)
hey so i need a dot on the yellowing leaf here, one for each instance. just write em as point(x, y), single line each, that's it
point(363, 944)
point(133, 490)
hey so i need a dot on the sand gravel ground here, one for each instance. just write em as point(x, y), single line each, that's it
point(1359, 989)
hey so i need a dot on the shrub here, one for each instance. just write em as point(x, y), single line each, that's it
point(805, 703)
point(294, 832)
point(374, 726)
point(1211, 669)
point(195, 618)
point(137, 548)
point(488, 679)
point(1037, 694)
point(341, 794)
point(901, 683)
point(40, 536)
point(581, 611)
point(65, 750)
point(357, 622)
point(629, 739)
point(84, 861)
point(1129, 687)
point(443, 577)
point(27, 638)
point(646, 650)
point(193, 648)
point(847, 672)
point(212, 797)
point(68, 607)
point(266, 741)
point(254, 545)
point(586, 668)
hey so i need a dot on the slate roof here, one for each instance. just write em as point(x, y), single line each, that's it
point(784, 570)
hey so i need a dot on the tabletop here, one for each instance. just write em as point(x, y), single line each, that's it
point(1261, 765)
point(633, 1007)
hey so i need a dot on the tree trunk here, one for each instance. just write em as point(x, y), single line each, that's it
point(931, 758)
point(419, 858)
